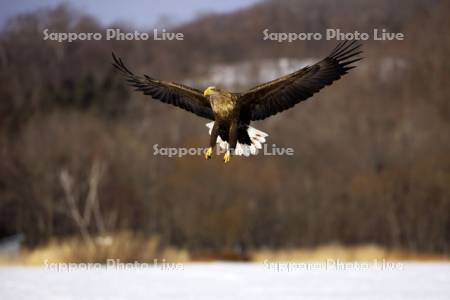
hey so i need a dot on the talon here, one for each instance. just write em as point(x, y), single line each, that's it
point(227, 157)
point(208, 153)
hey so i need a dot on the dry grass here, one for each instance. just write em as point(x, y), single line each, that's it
point(124, 246)
point(343, 253)
point(129, 248)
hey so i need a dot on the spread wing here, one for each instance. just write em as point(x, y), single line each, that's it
point(283, 93)
point(168, 92)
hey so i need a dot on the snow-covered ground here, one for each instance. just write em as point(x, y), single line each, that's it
point(230, 281)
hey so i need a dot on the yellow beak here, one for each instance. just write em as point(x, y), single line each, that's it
point(207, 92)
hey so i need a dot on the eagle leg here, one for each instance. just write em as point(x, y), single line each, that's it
point(227, 157)
point(208, 153)
point(212, 141)
point(233, 137)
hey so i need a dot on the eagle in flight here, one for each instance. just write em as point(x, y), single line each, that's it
point(231, 113)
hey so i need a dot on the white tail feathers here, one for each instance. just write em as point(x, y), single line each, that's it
point(256, 136)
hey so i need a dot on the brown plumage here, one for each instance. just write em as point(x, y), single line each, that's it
point(233, 112)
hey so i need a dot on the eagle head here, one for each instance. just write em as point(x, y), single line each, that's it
point(210, 90)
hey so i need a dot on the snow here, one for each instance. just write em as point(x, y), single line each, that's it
point(249, 73)
point(229, 281)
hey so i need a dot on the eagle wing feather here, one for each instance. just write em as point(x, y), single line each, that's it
point(169, 92)
point(272, 97)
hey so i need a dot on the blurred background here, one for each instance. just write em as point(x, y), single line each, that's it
point(372, 153)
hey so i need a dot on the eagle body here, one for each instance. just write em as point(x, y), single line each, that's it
point(232, 113)
point(227, 118)
point(229, 129)
point(224, 106)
